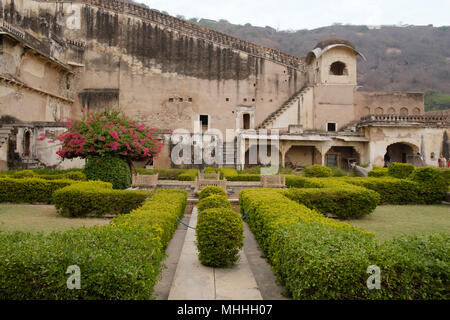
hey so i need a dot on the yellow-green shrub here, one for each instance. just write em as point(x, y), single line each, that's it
point(118, 261)
point(210, 190)
point(320, 258)
point(400, 170)
point(214, 201)
point(344, 201)
point(94, 199)
point(432, 187)
point(189, 175)
point(30, 190)
point(220, 235)
point(318, 171)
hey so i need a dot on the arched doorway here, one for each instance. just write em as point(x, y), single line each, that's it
point(402, 152)
point(302, 156)
point(341, 157)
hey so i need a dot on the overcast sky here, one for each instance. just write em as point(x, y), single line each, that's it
point(302, 14)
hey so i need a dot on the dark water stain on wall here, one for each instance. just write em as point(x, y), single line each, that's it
point(154, 46)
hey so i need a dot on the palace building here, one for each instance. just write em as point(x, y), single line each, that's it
point(59, 57)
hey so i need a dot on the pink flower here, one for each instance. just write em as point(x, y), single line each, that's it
point(115, 135)
point(115, 145)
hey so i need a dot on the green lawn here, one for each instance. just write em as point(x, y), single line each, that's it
point(40, 218)
point(388, 222)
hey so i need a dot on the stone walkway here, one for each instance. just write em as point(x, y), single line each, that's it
point(193, 281)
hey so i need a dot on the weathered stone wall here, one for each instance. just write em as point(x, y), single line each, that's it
point(388, 103)
point(151, 61)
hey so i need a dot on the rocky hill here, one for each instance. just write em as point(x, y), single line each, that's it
point(406, 58)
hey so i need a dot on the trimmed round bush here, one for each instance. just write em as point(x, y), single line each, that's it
point(214, 201)
point(109, 169)
point(318, 171)
point(432, 186)
point(400, 170)
point(210, 190)
point(220, 236)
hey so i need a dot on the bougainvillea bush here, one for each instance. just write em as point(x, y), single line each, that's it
point(109, 133)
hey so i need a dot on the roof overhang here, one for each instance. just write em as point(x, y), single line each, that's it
point(318, 52)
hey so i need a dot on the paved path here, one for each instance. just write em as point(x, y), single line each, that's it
point(194, 281)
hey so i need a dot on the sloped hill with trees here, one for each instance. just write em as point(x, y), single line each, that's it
point(399, 58)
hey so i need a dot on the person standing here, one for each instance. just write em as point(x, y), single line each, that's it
point(387, 160)
point(442, 161)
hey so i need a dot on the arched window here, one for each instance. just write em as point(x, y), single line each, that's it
point(379, 110)
point(27, 144)
point(246, 121)
point(416, 111)
point(338, 68)
point(391, 111)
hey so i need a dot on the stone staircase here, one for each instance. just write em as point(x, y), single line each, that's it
point(274, 115)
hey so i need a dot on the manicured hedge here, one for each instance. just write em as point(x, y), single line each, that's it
point(318, 171)
point(46, 174)
point(109, 169)
point(244, 177)
point(220, 235)
point(432, 187)
point(214, 201)
point(30, 190)
point(400, 170)
point(118, 261)
point(320, 258)
point(227, 172)
point(189, 175)
point(343, 202)
point(391, 190)
point(163, 174)
point(92, 199)
point(209, 170)
point(210, 190)
point(445, 173)
point(379, 172)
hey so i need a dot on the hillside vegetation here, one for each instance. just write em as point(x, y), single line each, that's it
point(407, 58)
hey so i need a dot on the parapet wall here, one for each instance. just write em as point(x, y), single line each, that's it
point(191, 29)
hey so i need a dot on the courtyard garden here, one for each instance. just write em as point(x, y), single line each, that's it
point(320, 233)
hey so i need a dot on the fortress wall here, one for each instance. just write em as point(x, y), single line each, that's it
point(164, 71)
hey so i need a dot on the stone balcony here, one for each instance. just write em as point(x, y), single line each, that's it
point(394, 120)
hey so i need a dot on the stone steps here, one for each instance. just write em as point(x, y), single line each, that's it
point(274, 115)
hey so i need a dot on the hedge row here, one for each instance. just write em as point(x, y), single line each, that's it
point(163, 174)
point(45, 174)
point(400, 170)
point(320, 258)
point(118, 261)
point(379, 172)
point(96, 200)
point(424, 186)
point(343, 202)
point(391, 190)
point(219, 231)
point(30, 190)
point(188, 175)
point(233, 175)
